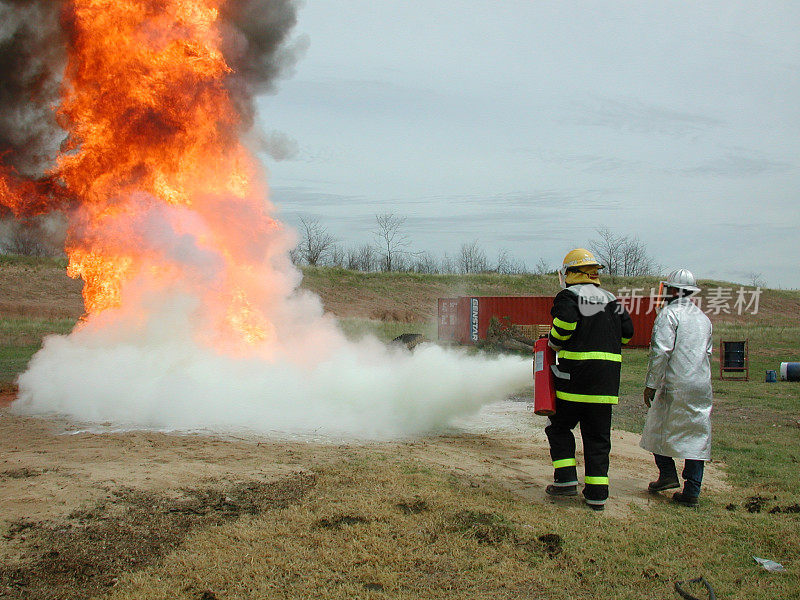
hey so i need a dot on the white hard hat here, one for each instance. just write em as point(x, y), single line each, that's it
point(683, 280)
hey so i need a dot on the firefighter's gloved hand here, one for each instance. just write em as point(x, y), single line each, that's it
point(553, 346)
point(649, 394)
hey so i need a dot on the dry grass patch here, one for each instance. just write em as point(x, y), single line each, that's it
point(371, 528)
point(83, 556)
point(376, 526)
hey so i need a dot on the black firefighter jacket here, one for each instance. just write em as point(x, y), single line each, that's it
point(589, 327)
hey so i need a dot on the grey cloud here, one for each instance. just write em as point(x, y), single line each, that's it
point(293, 197)
point(642, 118)
point(593, 163)
point(737, 165)
point(278, 145)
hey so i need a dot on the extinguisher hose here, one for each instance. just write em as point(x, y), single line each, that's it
point(684, 594)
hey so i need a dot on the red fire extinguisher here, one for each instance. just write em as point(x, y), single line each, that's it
point(544, 390)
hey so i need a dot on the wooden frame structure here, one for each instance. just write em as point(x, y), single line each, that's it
point(731, 366)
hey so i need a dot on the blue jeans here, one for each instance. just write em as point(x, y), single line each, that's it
point(692, 473)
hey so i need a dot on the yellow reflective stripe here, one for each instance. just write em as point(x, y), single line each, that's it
point(590, 480)
point(626, 340)
point(564, 462)
point(558, 336)
point(590, 356)
point(564, 325)
point(587, 398)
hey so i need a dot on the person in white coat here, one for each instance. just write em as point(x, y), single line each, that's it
point(678, 390)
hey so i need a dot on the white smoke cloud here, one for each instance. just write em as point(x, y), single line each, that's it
point(154, 375)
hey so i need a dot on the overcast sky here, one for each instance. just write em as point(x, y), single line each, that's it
point(528, 124)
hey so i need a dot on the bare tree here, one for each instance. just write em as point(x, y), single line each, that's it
point(542, 267)
point(391, 239)
point(503, 261)
point(508, 265)
point(472, 258)
point(362, 258)
point(336, 256)
point(425, 262)
point(607, 248)
point(756, 279)
point(38, 236)
point(403, 262)
point(621, 254)
point(448, 266)
point(315, 241)
point(635, 261)
point(351, 259)
point(368, 258)
point(26, 242)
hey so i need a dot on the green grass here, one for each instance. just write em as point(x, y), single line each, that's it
point(13, 361)
point(20, 339)
point(32, 261)
point(478, 283)
point(385, 331)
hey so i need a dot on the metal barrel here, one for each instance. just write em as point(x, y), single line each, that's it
point(790, 371)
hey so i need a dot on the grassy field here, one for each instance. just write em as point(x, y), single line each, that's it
point(377, 524)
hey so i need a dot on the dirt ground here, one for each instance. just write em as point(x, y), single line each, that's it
point(69, 493)
point(50, 468)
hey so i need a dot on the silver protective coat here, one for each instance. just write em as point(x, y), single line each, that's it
point(679, 419)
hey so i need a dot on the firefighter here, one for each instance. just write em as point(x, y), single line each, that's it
point(589, 328)
point(678, 390)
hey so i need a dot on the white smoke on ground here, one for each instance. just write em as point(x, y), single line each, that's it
point(157, 377)
point(154, 363)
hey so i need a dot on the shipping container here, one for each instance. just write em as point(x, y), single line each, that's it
point(466, 319)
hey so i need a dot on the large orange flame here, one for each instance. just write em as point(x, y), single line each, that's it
point(154, 141)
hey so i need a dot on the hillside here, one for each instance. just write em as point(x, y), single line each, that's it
point(40, 288)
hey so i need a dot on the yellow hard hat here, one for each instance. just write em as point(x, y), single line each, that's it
point(580, 257)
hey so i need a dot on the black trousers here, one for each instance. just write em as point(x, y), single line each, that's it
point(595, 421)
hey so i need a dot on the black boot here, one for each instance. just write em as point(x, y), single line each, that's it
point(561, 490)
point(683, 499)
point(595, 505)
point(663, 483)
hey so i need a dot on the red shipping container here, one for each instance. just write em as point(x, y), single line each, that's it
point(643, 315)
point(474, 313)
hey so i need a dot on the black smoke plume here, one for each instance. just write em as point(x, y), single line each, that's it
point(258, 49)
point(32, 59)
